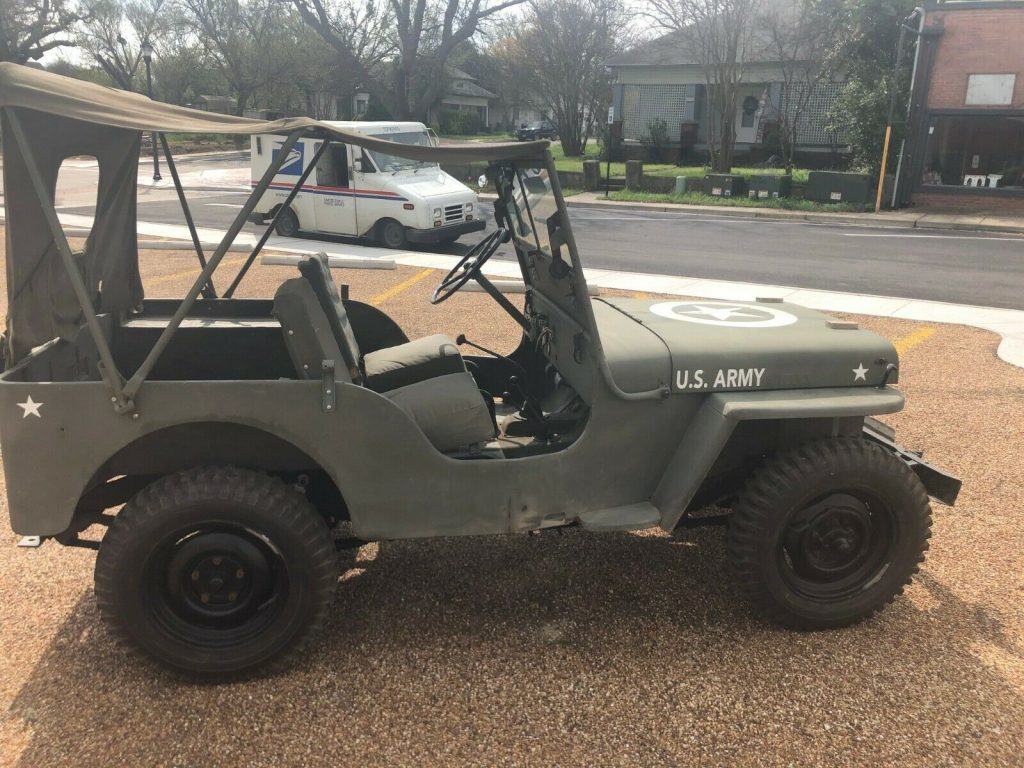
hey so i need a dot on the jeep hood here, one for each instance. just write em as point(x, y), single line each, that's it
point(712, 346)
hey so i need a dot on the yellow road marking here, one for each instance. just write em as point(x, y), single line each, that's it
point(193, 272)
point(905, 343)
point(393, 291)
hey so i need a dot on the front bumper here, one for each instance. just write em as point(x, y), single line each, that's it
point(450, 232)
point(939, 485)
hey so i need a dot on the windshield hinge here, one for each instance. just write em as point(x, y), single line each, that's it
point(327, 385)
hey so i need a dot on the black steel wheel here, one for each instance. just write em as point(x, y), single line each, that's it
point(216, 570)
point(287, 224)
point(829, 533)
point(391, 234)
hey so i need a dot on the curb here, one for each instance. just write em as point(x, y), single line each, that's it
point(747, 213)
point(911, 221)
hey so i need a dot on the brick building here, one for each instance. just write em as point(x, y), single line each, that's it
point(965, 137)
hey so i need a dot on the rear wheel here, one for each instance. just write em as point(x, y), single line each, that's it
point(287, 224)
point(216, 570)
point(391, 234)
point(829, 533)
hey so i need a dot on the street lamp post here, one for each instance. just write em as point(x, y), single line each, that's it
point(147, 56)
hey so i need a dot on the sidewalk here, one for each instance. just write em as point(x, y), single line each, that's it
point(901, 219)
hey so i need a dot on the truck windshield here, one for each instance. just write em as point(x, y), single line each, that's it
point(391, 164)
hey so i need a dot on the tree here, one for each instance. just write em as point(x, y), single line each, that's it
point(565, 43)
point(359, 36)
point(427, 32)
point(867, 48)
point(115, 32)
point(182, 71)
point(244, 40)
point(719, 36)
point(502, 69)
point(30, 28)
point(802, 36)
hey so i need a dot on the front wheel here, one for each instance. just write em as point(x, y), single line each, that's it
point(287, 224)
point(391, 234)
point(829, 533)
point(216, 570)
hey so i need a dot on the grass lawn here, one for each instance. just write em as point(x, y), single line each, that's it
point(575, 164)
point(483, 137)
point(185, 143)
point(696, 198)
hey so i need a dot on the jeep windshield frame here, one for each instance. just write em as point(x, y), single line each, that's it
point(532, 208)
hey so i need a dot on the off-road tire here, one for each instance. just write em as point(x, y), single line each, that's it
point(134, 596)
point(791, 483)
point(391, 234)
point(287, 224)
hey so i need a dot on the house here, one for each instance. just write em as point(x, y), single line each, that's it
point(662, 78)
point(464, 94)
point(223, 104)
point(965, 136)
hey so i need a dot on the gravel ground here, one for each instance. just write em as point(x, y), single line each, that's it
point(616, 649)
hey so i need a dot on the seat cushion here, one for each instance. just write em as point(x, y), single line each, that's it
point(449, 409)
point(412, 362)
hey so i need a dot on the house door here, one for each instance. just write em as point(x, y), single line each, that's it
point(748, 115)
point(334, 202)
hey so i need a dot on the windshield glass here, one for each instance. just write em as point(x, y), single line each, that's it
point(533, 204)
point(390, 164)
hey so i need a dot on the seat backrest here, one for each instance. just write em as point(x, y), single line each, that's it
point(307, 333)
point(317, 273)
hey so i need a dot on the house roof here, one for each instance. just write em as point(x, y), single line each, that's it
point(469, 88)
point(680, 48)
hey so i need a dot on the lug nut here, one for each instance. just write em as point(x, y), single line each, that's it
point(232, 596)
point(204, 597)
point(195, 575)
point(217, 560)
point(239, 574)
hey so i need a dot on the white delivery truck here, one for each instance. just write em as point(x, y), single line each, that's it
point(363, 193)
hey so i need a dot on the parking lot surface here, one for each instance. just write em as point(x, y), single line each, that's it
point(570, 648)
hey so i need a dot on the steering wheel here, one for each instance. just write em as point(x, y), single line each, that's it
point(468, 267)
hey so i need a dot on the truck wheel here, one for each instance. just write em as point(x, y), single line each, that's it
point(828, 534)
point(287, 224)
point(216, 570)
point(391, 234)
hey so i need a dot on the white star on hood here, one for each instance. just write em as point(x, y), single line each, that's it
point(30, 406)
point(860, 372)
point(719, 313)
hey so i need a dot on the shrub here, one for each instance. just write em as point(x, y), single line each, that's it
point(656, 141)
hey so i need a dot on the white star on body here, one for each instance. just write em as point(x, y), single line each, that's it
point(719, 313)
point(30, 406)
point(860, 372)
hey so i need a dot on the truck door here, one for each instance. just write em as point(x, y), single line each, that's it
point(334, 201)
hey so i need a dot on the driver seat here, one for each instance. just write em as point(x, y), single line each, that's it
point(426, 378)
point(385, 369)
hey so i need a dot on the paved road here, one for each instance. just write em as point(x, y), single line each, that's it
point(959, 267)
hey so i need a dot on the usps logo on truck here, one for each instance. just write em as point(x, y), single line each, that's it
point(293, 163)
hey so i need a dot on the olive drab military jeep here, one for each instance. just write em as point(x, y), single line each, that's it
point(223, 442)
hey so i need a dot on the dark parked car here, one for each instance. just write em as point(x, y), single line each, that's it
point(534, 131)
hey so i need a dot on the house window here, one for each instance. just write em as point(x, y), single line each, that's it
point(990, 90)
point(975, 151)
